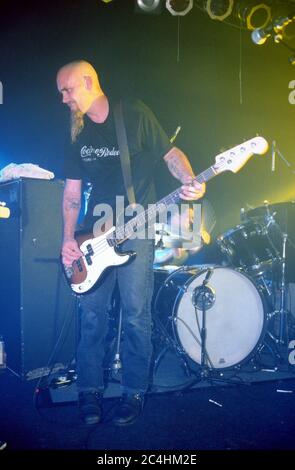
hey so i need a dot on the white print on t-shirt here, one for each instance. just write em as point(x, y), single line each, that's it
point(91, 153)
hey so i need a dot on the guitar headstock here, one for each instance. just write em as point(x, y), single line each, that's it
point(235, 158)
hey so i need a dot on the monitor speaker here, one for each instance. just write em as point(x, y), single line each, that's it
point(37, 320)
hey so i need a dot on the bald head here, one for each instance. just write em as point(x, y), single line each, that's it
point(79, 85)
point(79, 69)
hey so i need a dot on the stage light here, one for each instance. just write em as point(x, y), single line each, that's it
point(254, 15)
point(219, 9)
point(179, 7)
point(148, 6)
point(275, 28)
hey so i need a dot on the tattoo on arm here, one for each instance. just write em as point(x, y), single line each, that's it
point(72, 203)
point(177, 167)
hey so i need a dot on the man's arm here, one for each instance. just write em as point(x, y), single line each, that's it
point(180, 167)
point(71, 207)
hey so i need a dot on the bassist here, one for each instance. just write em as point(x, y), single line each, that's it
point(93, 154)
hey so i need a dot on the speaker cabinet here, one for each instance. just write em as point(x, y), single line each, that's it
point(37, 307)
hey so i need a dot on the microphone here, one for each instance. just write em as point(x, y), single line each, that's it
point(208, 276)
point(260, 36)
point(273, 155)
point(178, 129)
point(203, 296)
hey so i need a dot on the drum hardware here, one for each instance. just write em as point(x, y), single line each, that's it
point(248, 246)
point(271, 221)
point(170, 343)
point(280, 319)
point(203, 299)
point(259, 248)
point(160, 330)
point(166, 238)
point(281, 258)
point(263, 285)
point(161, 231)
point(259, 363)
point(235, 315)
point(282, 312)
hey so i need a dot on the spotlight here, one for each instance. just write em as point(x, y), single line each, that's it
point(254, 16)
point(275, 29)
point(219, 9)
point(149, 6)
point(179, 7)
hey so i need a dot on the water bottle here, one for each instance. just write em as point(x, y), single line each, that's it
point(2, 354)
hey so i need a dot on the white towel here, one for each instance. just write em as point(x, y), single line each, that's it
point(24, 170)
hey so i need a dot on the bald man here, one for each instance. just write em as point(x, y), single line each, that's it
point(93, 154)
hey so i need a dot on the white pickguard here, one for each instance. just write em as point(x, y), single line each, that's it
point(104, 257)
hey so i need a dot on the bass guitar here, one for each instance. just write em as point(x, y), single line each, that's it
point(100, 252)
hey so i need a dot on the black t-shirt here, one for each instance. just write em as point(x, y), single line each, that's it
point(95, 156)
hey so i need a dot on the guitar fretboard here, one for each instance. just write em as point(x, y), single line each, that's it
point(149, 215)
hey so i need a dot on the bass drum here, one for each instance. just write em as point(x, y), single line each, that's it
point(235, 321)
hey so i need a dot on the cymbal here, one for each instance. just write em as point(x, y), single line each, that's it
point(168, 238)
point(161, 229)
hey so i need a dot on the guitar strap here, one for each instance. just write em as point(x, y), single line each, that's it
point(124, 151)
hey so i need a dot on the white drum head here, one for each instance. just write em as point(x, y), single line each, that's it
point(234, 323)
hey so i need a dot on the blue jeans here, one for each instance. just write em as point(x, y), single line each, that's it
point(135, 281)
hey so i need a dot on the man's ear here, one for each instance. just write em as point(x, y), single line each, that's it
point(88, 82)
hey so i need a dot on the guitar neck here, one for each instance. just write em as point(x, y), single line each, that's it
point(126, 231)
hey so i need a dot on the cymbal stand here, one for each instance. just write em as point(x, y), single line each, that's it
point(270, 221)
point(282, 312)
point(282, 338)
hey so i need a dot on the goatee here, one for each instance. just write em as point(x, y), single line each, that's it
point(77, 124)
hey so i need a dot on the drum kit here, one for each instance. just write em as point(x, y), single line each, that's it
point(219, 317)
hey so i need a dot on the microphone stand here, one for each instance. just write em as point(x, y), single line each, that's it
point(204, 298)
point(276, 150)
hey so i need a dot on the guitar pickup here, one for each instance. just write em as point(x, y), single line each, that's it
point(79, 265)
point(90, 249)
point(88, 259)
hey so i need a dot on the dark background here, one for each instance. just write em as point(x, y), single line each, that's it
point(197, 86)
point(215, 83)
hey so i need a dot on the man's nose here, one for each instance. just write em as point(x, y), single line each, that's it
point(65, 98)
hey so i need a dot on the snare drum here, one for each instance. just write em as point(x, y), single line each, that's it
point(235, 322)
